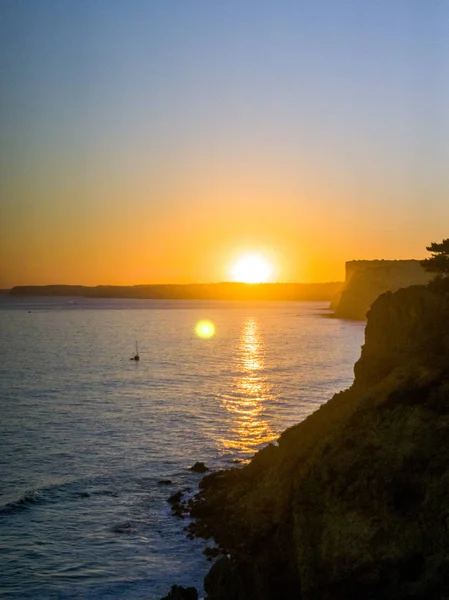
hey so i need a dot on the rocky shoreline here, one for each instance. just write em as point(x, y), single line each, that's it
point(353, 502)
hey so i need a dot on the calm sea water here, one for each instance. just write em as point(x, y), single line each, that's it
point(86, 435)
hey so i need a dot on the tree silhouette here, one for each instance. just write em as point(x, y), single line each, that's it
point(439, 261)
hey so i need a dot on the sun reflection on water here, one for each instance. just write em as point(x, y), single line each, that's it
point(247, 402)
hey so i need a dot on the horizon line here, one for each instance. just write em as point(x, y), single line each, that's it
point(245, 283)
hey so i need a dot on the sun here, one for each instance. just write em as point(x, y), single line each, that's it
point(251, 268)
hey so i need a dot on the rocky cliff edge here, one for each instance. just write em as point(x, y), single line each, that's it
point(366, 280)
point(354, 501)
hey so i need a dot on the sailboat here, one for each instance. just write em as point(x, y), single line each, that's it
point(136, 355)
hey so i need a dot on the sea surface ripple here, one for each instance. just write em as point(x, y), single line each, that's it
point(92, 443)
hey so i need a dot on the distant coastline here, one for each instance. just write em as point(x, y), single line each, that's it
point(196, 291)
point(366, 280)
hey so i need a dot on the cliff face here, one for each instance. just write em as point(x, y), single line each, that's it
point(367, 279)
point(191, 291)
point(354, 501)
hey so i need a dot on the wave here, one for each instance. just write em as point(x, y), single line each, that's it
point(57, 492)
point(61, 492)
point(29, 498)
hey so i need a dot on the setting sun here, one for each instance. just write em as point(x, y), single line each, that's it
point(251, 268)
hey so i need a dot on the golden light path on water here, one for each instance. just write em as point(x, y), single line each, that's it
point(246, 402)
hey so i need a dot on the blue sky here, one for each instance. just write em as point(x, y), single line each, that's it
point(161, 99)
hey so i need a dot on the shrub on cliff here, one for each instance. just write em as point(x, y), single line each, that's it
point(439, 261)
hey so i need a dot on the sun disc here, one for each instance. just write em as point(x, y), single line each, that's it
point(251, 268)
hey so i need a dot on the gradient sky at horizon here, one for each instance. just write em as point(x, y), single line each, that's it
point(155, 141)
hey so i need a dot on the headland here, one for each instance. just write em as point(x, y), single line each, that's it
point(366, 280)
point(353, 501)
point(194, 291)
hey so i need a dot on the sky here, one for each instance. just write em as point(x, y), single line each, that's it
point(155, 141)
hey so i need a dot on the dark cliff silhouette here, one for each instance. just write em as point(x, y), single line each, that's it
point(353, 502)
point(366, 280)
point(194, 291)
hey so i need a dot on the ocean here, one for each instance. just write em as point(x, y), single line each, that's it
point(92, 444)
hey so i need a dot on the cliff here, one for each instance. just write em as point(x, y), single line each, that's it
point(193, 291)
point(366, 280)
point(354, 501)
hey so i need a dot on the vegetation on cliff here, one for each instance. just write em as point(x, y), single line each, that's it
point(439, 261)
point(354, 501)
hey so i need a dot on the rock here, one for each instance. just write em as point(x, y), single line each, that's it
point(165, 482)
point(228, 580)
point(366, 280)
point(180, 509)
point(178, 592)
point(353, 501)
point(212, 552)
point(123, 528)
point(175, 498)
point(199, 467)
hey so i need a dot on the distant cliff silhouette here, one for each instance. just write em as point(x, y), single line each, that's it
point(366, 280)
point(195, 291)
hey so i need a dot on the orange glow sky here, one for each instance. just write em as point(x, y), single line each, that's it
point(156, 145)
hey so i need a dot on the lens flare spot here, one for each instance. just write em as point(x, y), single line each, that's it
point(205, 329)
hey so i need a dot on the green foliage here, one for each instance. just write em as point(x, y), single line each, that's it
point(439, 261)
